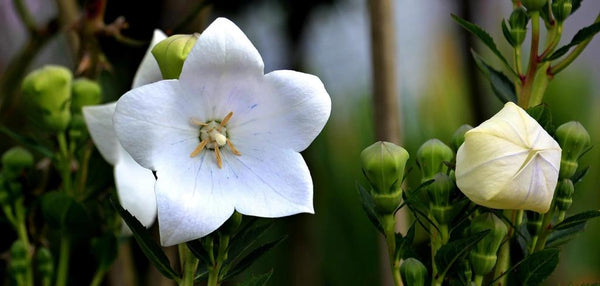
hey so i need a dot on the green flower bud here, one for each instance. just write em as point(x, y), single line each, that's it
point(18, 258)
point(16, 159)
point(573, 139)
point(431, 157)
point(171, 52)
point(534, 222)
point(459, 135)
point(232, 224)
point(483, 256)
point(413, 272)
point(534, 5)
point(518, 26)
point(439, 197)
point(85, 92)
point(48, 92)
point(383, 164)
point(43, 261)
point(564, 194)
point(561, 9)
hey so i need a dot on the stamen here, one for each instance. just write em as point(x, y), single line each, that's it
point(218, 153)
point(196, 122)
point(233, 150)
point(199, 148)
point(225, 120)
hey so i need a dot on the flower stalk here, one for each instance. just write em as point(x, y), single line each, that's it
point(533, 60)
point(189, 264)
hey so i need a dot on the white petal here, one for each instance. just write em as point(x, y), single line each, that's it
point(148, 71)
point(190, 202)
point(289, 111)
point(154, 118)
point(135, 186)
point(221, 48)
point(99, 122)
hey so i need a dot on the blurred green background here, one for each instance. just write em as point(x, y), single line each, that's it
point(439, 89)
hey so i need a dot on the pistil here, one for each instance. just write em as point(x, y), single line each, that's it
point(213, 135)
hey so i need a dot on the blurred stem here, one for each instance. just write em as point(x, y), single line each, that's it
point(195, 12)
point(215, 269)
point(478, 280)
point(573, 55)
point(25, 16)
point(438, 239)
point(68, 13)
point(63, 261)
point(389, 224)
point(23, 236)
point(98, 277)
point(84, 163)
point(189, 263)
point(533, 60)
point(546, 228)
point(65, 162)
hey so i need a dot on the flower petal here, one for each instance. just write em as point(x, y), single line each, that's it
point(148, 71)
point(135, 185)
point(152, 119)
point(99, 123)
point(290, 112)
point(222, 48)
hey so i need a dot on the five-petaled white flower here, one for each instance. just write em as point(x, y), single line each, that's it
point(224, 136)
point(509, 162)
point(135, 184)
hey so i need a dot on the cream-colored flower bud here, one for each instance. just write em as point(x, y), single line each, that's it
point(509, 162)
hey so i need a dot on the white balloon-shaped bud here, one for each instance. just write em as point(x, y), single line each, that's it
point(509, 162)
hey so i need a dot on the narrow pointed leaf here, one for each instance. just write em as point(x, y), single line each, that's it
point(404, 244)
point(485, 38)
point(580, 218)
point(258, 280)
point(579, 37)
point(506, 33)
point(502, 86)
point(247, 238)
point(369, 206)
point(560, 237)
point(455, 250)
point(27, 141)
point(149, 247)
point(578, 176)
point(198, 250)
point(535, 268)
point(248, 260)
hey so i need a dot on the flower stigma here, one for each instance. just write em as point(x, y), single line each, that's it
point(213, 134)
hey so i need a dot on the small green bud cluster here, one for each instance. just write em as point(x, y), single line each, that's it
point(44, 264)
point(14, 161)
point(432, 158)
point(171, 52)
point(383, 164)
point(484, 255)
point(561, 9)
point(413, 272)
point(19, 260)
point(516, 31)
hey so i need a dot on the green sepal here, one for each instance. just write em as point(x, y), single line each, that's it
point(368, 205)
point(149, 247)
point(503, 87)
point(535, 268)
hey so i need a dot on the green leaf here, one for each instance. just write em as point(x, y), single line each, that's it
point(578, 176)
point(62, 211)
point(198, 250)
point(455, 250)
point(575, 5)
point(535, 268)
point(105, 249)
point(244, 263)
point(369, 206)
point(29, 142)
point(248, 236)
point(501, 85)
point(580, 218)
point(258, 280)
point(560, 237)
point(541, 113)
point(404, 244)
point(485, 38)
point(149, 247)
point(579, 37)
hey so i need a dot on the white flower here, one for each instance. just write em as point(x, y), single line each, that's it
point(509, 162)
point(135, 184)
point(225, 136)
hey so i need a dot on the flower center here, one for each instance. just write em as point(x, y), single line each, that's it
point(213, 134)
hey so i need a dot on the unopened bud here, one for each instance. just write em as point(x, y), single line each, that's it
point(518, 26)
point(431, 157)
point(561, 9)
point(534, 5)
point(383, 164)
point(171, 52)
point(439, 197)
point(48, 92)
point(43, 261)
point(458, 137)
point(85, 92)
point(483, 257)
point(564, 194)
point(18, 258)
point(413, 272)
point(534, 222)
point(14, 161)
point(573, 139)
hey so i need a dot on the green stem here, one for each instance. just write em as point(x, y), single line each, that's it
point(438, 239)
point(389, 223)
point(502, 264)
point(25, 15)
point(63, 261)
point(533, 60)
point(98, 277)
point(189, 265)
point(65, 162)
point(214, 271)
point(573, 55)
point(478, 280)
point(545, 231)
point(555, 39)
point(23, 236)
point(518, 60)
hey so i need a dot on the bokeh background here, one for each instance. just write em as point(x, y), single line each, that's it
point(439, 89)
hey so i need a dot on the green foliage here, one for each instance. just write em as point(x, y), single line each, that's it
point(258, 280)
point(535, 268)
point(105, 249)
point(582, 35)
point(63, 212)
point(501, 85)
point(455, 250)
